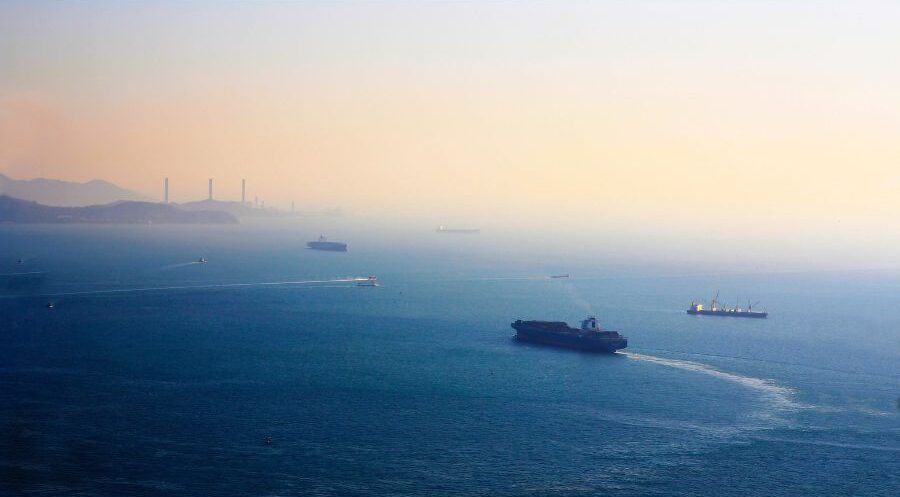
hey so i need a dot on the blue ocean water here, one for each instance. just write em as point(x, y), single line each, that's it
point(153, 375)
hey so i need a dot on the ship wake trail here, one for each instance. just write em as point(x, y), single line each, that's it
point(781, 397)
point(316, 283)
point(183, 264)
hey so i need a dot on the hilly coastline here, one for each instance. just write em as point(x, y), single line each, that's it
point(67, 193)
point(14, 210)
point(235, 208)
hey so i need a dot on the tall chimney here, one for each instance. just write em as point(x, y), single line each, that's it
point(166, 196)
point(210, 188)
point(243, 192)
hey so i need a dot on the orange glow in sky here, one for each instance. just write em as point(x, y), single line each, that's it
point(763, 119)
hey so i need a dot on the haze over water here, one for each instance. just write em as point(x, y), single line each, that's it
point(702, 127)
point(656, 152)
point(154, 376)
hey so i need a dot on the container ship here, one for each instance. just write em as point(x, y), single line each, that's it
point(590, 337)
point(715, 309)
point(323, 244)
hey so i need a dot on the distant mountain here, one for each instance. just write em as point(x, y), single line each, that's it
point(13, 210)
point(65, 193)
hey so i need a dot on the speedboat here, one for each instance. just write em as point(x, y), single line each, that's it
point(370, 281)
point(201, 261)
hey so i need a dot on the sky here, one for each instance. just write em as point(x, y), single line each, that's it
point(766, 125)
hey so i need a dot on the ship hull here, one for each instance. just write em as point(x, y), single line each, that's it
point(730, 314)
point(569, 341)
point(328, 246)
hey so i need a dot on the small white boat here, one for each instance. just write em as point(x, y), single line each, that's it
point(370, 281)
point(201, 261)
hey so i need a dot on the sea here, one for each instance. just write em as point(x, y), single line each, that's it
point(267, 371)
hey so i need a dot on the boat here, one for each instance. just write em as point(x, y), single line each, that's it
point(323, 244)
point(590, 337)
point(49, 305)
point(201, 261)
point(458, 231)
point(370, 281)
point(558, 276)
point(715, 309)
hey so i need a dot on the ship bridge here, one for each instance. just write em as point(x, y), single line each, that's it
point(591, 324)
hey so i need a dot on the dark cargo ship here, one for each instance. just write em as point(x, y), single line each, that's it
point(323, 244)
point(591, 337)
point(715, 309)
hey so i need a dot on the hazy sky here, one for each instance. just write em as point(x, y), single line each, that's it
point(735, 119)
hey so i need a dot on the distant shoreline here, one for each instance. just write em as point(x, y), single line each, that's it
point(17, 211)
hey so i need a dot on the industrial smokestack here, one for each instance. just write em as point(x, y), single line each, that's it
point(243, 192)
point(210, 188)
point(166, 195)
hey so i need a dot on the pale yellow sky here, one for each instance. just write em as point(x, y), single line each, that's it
point(763, 119)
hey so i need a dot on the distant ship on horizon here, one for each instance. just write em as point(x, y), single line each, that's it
point(323, 244)
point(715, 309)
point(458, 231)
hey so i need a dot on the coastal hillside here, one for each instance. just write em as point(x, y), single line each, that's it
point(66, 193)
point(14, 210)
point(234, 208)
